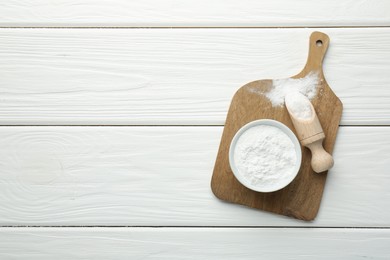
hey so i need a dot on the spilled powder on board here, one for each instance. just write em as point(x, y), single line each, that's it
point(307, 86)
point(265, 156)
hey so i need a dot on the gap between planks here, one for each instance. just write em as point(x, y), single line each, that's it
point(110, 125)
point(196, 27)
point(196, 227)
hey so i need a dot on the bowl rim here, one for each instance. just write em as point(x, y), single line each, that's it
point(285, 130)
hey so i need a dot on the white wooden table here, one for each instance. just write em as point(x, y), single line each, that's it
point(111, 113)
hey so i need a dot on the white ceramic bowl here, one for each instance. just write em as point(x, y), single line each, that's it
point(283, 182)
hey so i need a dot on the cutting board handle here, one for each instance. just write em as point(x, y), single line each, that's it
point(319, 43)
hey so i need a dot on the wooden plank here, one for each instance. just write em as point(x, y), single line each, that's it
point(149, 13)
point(161, 77)
point(190, 243)
point(160, 176)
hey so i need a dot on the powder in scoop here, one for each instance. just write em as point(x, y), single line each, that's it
point(281, 87)
point(265, 156)
point(299, 105)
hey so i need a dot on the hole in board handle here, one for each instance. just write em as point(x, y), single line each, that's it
point(319, 43)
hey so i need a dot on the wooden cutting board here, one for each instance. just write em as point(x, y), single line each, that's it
point(300, 199)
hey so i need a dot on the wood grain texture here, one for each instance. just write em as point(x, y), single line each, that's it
point(149, 13)
point(189, 243)
point(301, 199)
point(160, 77)
point(160, 176)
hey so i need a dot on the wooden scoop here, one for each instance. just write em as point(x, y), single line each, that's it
point(309, 130)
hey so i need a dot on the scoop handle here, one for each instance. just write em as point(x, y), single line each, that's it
point(321, 160)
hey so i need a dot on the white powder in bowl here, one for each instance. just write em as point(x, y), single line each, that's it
point(265, 156)
point(299, 105)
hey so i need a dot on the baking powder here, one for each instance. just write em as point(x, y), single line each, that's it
point(265, 155)
point(281, 87)
point(299, 105)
